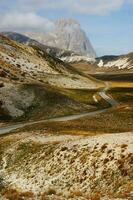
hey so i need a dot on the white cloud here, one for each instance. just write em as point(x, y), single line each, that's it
point(25, 21)
point(97, 7)
point(22, 14)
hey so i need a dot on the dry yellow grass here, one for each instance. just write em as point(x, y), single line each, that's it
point(120, 84)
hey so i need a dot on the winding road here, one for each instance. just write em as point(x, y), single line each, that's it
point(102, 93)
point(107, 98)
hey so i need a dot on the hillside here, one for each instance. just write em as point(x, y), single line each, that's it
point(120, 63)
point(53, 51)
point(107, 67)
point(42, 166)
point(25, 70)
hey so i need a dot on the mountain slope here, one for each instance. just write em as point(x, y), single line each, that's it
point(69, 36)
point(118, 63)
point(36, 64)
point(109, 67)
point(64, 55)
point(53, 51)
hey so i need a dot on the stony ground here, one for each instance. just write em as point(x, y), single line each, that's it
point(67, 167)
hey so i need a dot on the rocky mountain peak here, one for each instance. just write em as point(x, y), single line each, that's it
point(67, 35)
point(66, 22)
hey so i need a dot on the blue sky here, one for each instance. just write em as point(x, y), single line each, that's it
point(108, 23)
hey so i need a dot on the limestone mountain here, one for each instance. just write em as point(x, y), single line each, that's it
point(64, 55)
point(67, 35)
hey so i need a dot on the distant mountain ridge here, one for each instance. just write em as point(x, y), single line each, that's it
point(122, 62)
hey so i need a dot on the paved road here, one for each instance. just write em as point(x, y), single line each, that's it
point(102, 93)
point(108, 99)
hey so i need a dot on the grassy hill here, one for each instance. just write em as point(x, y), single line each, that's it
point(32, 83)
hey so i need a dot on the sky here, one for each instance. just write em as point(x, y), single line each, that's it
point(107, 23)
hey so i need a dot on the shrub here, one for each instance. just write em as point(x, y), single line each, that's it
point(1, 85)
point(103, 147)
point(94, 196)
point(50, 191)
point(13, 194)
point(43, 197)
point(1, 183)
point(3, 73)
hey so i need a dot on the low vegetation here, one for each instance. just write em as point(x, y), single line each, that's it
point(90, 158)
point(116, 120)
point(49, 81)
point(122, 95)
point(45, 166)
